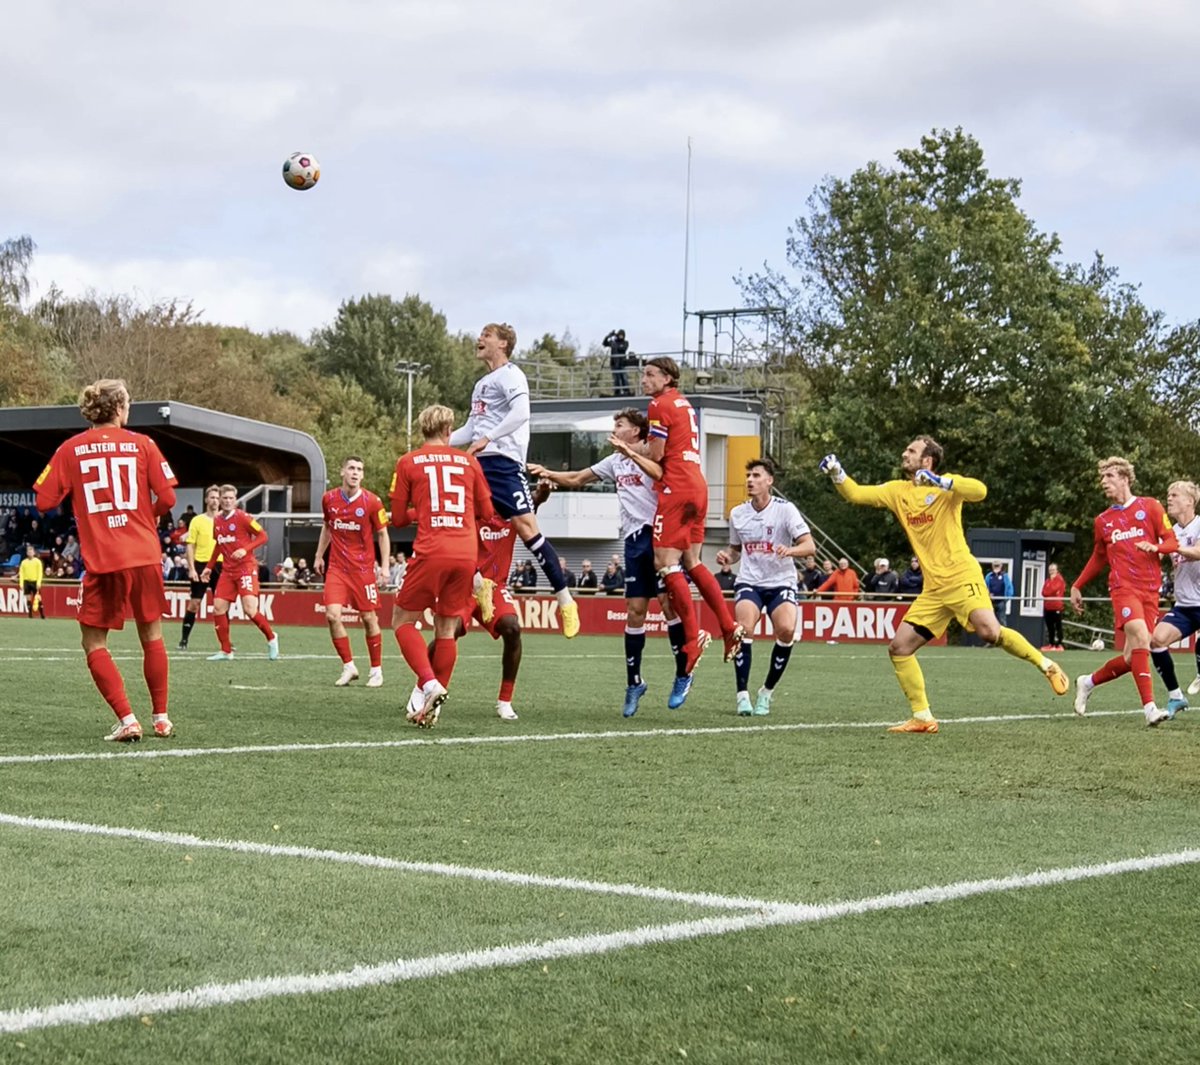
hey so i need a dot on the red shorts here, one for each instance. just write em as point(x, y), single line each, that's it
point(106, 596)
point(435, 583)
point(679, 522)
point(502, 607)
point(232, 586)
point(358, 591)
point(1134, 606)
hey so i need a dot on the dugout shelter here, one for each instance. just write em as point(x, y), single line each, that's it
point(1025, 554)
point(277, 469)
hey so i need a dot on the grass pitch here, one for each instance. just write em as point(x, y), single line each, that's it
point(300, 876)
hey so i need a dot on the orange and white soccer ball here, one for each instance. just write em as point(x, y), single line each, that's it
point(301, 170)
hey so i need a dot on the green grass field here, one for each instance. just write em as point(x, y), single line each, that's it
point(300, 876)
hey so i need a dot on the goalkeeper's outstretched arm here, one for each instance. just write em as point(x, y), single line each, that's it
point(873, 495)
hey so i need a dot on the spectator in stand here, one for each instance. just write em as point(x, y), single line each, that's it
point(528, 580)
point(188, 514)
point(912, 580)
point(1054, 588)
point(179, 533)
point(612, 582)
point(726, 578)
point(616, 561)
point(842, 582)
point(396, 570)
point(811, 575)
point(588, 581)
point(568, 573)
point(36, 535)
point(287, 573)
point(70, 549)
point(1000, 590)
point(618, 359)
point(883, 581)
point(304, 576)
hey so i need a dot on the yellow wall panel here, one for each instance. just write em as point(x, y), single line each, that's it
point(739, 450)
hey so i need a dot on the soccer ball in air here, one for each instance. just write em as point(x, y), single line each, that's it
point(301, 170)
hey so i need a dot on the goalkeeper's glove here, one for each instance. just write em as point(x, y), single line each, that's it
point(929, 477)
point(830, 465)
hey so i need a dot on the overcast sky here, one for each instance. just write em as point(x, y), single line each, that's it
point(527, 161)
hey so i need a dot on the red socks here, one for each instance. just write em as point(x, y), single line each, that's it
point(445, 654)
point(374, 650)
point(155, 669)
point(412, 647)
point(108, 680)
point(342, 646)
point(1111, 670)
point(681, 600)
point(264, 626)
point(221, 624)
point(711, 592)
point(506, 690)
point(1139, 664)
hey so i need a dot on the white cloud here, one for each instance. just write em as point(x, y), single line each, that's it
point(222, 292)
point(533, 153)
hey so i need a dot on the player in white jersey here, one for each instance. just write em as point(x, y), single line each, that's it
point(638, 502)
point(768, 533)
point(1183, 618)
point(497, 432)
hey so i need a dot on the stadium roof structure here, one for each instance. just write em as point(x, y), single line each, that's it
point(201, 445)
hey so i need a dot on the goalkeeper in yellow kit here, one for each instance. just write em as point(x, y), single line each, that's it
point(929, 506)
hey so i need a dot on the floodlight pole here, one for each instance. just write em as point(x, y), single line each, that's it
point(411, 369)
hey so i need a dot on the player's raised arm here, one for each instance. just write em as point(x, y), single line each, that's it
point(970, 489)
point(873, 495)
point(563, 478)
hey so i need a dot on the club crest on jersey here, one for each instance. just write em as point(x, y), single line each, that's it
point(929, 499)
point(1126, 611)
point(1140, 515)
point(359, 512)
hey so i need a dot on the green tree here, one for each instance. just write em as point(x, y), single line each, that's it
point(372, 334)
point(921, 299)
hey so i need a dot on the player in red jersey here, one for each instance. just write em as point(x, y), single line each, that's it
point(354, 518)
point(448, 494)
point(497, 537)
point(1130, 538)
point(119, 484)
point(682, 505)
point(238, 536)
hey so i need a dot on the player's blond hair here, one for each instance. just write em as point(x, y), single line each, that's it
point(100, 401)
point(506, 333)
point(436, 421)
point(1186, 488)
point(1123, 466)
point(228, 488)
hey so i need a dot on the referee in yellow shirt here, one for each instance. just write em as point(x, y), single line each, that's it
point(29, 576)
point(929, 507)
point(199, 545)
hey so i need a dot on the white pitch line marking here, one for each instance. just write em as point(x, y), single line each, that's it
point(114, 1007)
point(375, 861)
point(541, 737)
